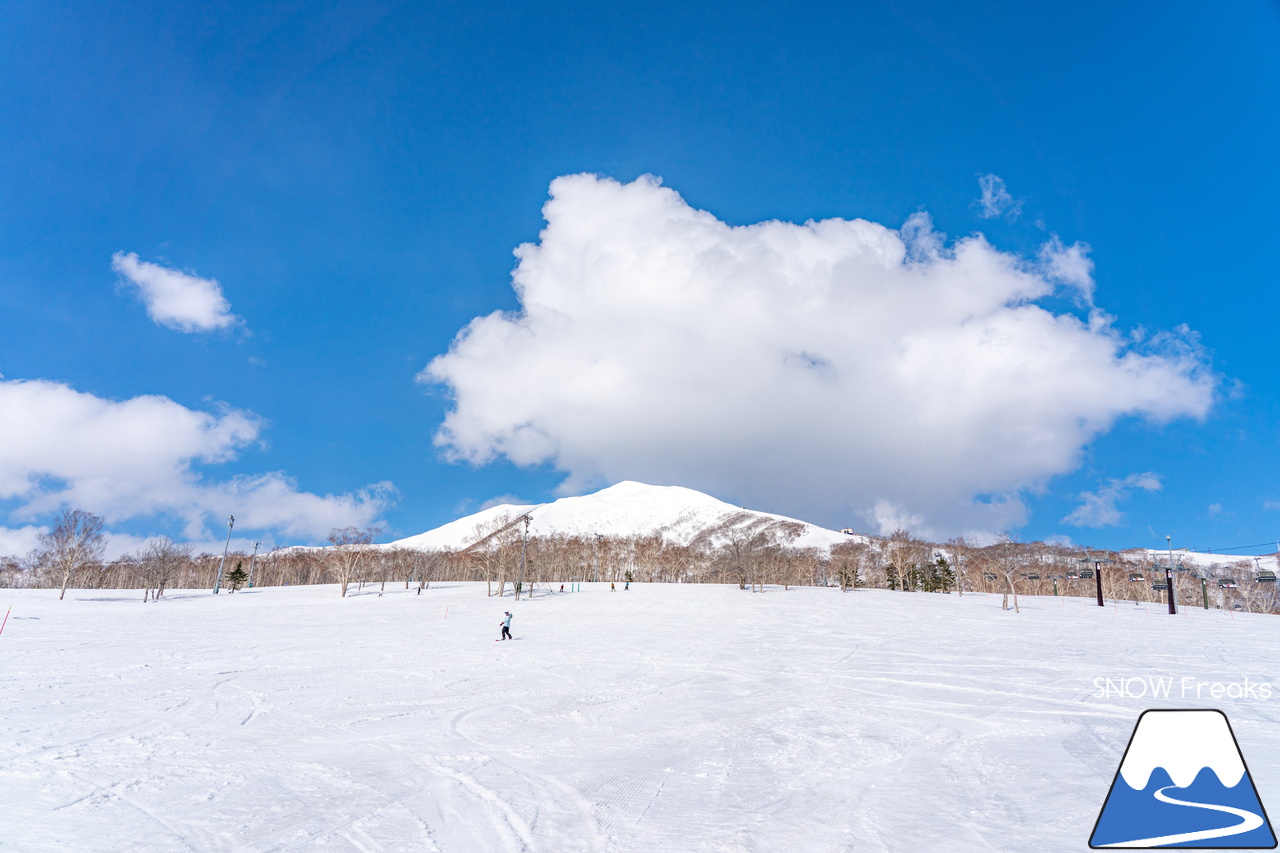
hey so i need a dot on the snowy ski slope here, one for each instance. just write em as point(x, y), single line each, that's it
point(666, 718)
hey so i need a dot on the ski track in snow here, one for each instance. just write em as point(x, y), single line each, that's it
point(665, 718)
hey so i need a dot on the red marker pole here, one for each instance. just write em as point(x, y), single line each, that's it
point(6, 618)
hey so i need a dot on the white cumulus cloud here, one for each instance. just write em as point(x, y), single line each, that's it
point(831, 369)
point(16, 541)
point(996, 199)
point(1098, 509)
point(140, 457)
point(177, 300)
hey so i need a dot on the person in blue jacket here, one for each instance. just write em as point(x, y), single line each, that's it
point(506, 626)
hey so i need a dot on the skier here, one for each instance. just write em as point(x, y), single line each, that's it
point(613, 587)
point(627, 586)
point(562, 587)
point(506, 626)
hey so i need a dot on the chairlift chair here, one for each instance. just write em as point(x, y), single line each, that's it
point(1031, 576)
point(989, 576)
point(1227, 583)
point(1265, 576)
point(1160, 586)
point(1136, 577)
point(1086, 574)
point(1073, 576)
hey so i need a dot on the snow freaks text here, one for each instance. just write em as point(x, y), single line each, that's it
point(1171, 687)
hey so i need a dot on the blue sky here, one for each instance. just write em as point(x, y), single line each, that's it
point(355, 178)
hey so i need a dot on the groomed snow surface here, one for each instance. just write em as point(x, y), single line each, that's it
point(664, 718)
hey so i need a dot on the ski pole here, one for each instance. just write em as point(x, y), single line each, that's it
point(6, 618)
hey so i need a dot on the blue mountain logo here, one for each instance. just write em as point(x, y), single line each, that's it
point(1183, 783)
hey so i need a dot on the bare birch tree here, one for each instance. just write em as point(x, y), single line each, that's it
point(1007, 558)
point(76, 541)
point(351, 547)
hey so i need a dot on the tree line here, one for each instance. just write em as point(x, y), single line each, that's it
point(752, 551)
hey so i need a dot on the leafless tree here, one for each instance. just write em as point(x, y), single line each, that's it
point(75, 542)
point(745, 545)
point(1007, 557)
point(158, 561)
point(959, 556)
point(495, 548)
point(351, 547)
point(907, 556)
point(847, 562)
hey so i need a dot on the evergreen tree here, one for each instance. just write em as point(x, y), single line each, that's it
point(237, 576)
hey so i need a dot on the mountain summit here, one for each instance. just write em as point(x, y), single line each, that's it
point(626, 509)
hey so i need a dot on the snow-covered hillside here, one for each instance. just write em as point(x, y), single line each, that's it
point(626, 509)
point(1202, 560)
point(683, 718)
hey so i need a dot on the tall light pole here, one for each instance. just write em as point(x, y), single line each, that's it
point(595, 576)
point(231, 520)
point(252, 560)
point(523, 545)
point(1168, 576)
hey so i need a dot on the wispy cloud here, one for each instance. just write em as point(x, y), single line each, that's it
point(996, 200)
point(1069, 265)
point(1098, 509)
point(177, 300)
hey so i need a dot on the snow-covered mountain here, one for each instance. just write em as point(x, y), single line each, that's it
point(626, 509)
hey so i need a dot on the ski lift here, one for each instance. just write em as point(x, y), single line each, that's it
point(1136, 577)
point(1265, 576)
point(1031, 576)
point(1073, 576)
point(1160, 586)
point(1227, 583)
point(1086, 574)
point(989, 576)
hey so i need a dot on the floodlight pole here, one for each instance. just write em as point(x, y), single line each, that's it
point(1168, 576)
point(217, 584)
point(252, 560)
point(595, 576)
point(523, 544)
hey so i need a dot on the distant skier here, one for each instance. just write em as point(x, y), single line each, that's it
point(562, 587)
point(626, 586)
point(613, 587)
point(506, 626)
